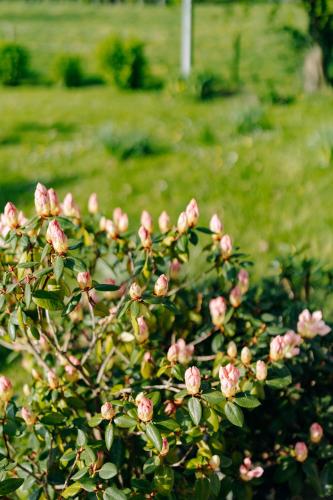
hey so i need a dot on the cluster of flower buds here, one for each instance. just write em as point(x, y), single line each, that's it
point(309, 325)
point(189, 218)
point(248, 471)
point(285, 346)
point(161, 286)
point(46, 201)
point(107, 411)
point(229, 377)
point(218, 309)
point(11, 218)
point(115, 227)
point(181, 352)
point(192, 380)
point(56, 237)
point(145, 408)
point(6, 389)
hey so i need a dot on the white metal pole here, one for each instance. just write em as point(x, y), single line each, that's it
point(186, 48)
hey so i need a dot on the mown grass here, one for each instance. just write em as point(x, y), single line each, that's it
point(271, 181)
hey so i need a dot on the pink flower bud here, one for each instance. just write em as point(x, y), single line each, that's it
point(135, 291)
point(248, 471)
point(226, 246)
point(42, 201)
point(11, 215)
point(182, 223)
point(143, 329)
point(6, 389)
point(232, 349)
point(28, 416)
point(217, 309)
point(185, 352)
point(261, 370)
point(122, 223)
point(111, 229)
point(192, 213)
point(246, 356)
point(145, 409)
point(170, 408)
point(316, 433)
point(243, 281)
point(84, 280)
point(216, 226)
point(192, 380)
point(215, 462)
point(309, 325)
point(107, 411)
point(175, 267)
point(69, 207)
point(235, 297)
point(93, 204)
point(145, 238)
point(164, 222)
point(291, 343)
point(161, 286)
point(301, 451)
point(52, 379)
point(138, 398)
point(71, 373)
point(102, 223)
point(54, 202)
point(277, 348)
point(165, 447)
point(56, 236)
point(172, 355)
point(147, 221)
point(229, 376)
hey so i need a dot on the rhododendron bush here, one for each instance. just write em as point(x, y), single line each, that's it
point(152, 376)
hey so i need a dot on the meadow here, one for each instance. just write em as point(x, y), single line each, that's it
point(262, 158)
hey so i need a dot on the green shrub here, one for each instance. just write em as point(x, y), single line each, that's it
point(209, 85)
point(68, 70)
point(14, 63)
point(125, 61)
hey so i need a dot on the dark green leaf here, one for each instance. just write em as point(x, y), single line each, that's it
point(214, 397)
point(109, 434)
point(58, 267)
point(105, 287)
point(10, 485)
point(234, 414)
point(246, 400)
point(53, 419)
point(112, 493)
point(124, 421)
point(71, 305)
point(47, 300)
point(108, 471)
point(195, 410)
point(154, 436)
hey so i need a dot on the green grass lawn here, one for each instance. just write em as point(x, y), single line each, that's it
point(273, 187)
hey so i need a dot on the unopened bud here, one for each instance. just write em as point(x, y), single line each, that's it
point(261, 370)
point(215, 462)
point(164, 222)
point(192, 213)
point(165, 447)
point(42, 201)
point(145, 238)
point(182, 223)
point(52, 379)
point(6, 389)
point(135, 291)
point(11, 215)
point(122, 223)
point(161, 286)
point(107, 411)
point(226, 246)
point(27, 415)
point(192, 380)
point(232, 349)
point(56, 236)
point(69, 207)
point(246, 356)
point(216, 226)
point(145, 409)
point(143, 333)
point(235, 297)
point(54, 202)
point(84, 280)
point(93, 204)
point(316, 433)
point(301, 451)
point(147, 221)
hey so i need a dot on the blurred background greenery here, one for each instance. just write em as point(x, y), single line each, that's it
point(241, 136)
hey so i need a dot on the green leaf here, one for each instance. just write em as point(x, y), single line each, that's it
point(45, 251)
point(124, 421)
point(234, 414)
point(58, 267)
point(105, 287)
point(88, 456)
point(214, 397)
point(95, 421)
point(12, 331)
point(81, 438)
point(154, 436)
point(53, 419)
point(47, 300)
point(112, 493)
point(80, 473)
point(108, 471)
point(10, 485)
point(278, 377)
point(109, 434)
point(34, 332)
point(195, 410)
point(71, 305)
point(27, 295)
point(71, 491)
point(246, 400)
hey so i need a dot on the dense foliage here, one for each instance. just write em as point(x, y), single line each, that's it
point(153, 377)
point(14, 63)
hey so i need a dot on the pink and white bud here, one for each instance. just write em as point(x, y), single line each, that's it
point(172, 354)
point(69, 207)
point(138, 397)
point(52, 379)
point(164, 222)
point(248, 471)
point(301, 451)
point(243, 281)
point(107, 411)
point(185, 352)
point(84, 280)
point(28, 416)
point(316, 433)
point(161, 286)
point(276, 349)
point(217, 309)
point(42, 201)
point(165, 447)
point(102, 223)
point(192, 213)
point(175, 267)
point(182, 223)
point(147, 221)
point(111, 229)
point(246, 356)
point(145, 409)
point(235, 297)
point(309, 325)
point(6, 389)
point(145, 238)
point(232, 349)
point(135, 291)
point(192, 380)
point(214, 462)
point(169, 408)
point(261, 370)
point(122, 223)
point(54, 202)
point(72, 373)
point(143, 329)
point(291, 343)
point(229, 377)
point(93, 207)
point(226, 246)
point(11, 215)
point(56, 236)
point(216, 226)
